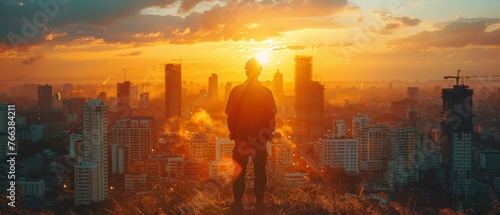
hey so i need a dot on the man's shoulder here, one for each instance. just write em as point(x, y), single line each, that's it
point(238, 88)
point(265, 89)
point(255, 87)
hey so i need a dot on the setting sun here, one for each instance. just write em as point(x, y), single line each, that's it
point(156, 106)
point(263, 57)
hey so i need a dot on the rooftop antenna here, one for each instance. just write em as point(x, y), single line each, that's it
point(125, 73)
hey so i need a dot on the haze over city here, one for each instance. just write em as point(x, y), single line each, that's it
point(352, 40)
point(128, 106)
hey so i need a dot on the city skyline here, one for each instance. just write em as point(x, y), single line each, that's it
point(350, 40)
point(127, 105)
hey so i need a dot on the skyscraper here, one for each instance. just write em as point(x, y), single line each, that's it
point(278, 84)
point(136, 136)
point(372, 147)
point(173, 90)
point(213, 88)
point(45, 98)
point(4, 125)
point(413, 94)
point(358, 122)
point(4, 109)
point(145, 100)
point(198, 148)
point(402, 168)
point(227, 90)
point(123, 96)
point(309, 100)
point(338, 128)
point(66, 90)
point(91, 175)
point(457, 126)
point(339, 152)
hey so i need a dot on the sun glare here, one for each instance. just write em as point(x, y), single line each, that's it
point(263, 57)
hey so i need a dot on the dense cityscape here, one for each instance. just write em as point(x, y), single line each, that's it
point(435, 143)
point(342, 107)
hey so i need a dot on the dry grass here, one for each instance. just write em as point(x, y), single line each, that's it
point(213, 196)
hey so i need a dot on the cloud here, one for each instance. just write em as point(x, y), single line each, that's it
point(121, 21)
point(36, 55)
point(291, 47)
point(407, 21)
point(34, 21)
point(187, 5)
point(295, 48)
point(390, 24)
point(131, 54)
point(457, 33)
point(398, 23)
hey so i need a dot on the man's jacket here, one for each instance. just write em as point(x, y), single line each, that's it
point(251, 112)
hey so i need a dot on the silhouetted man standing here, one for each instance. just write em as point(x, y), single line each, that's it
point(251, 114)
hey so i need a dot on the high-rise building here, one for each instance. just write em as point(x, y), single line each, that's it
point(136, 182)
point(458, 127)
point(144, 100)
point(373, 141)
point(358, 122)
point(338, 128)
point(75, 141)
point(213, 88)
point(136, 134)
point(496, 185)
point(413, 93)
point(118, 158)
point(161, 167)
point(227, 90)
point(402, 153)
point(309, 100)
point(45, 98)
point(400, 108)
point(339, 152)
point(404, 146)
point(223, 149)
point(77, 94)
point(123, 99)
point(4, 120)
point(281, 154)
point(91, 175)
point(278, 84)
point(198, 149)
point(66, 90)
point(56, 101)
point(31, 187)
point(173, 90)
point(87, 189)
point(134, 93)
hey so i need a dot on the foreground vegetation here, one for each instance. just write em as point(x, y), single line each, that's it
point(214, 196)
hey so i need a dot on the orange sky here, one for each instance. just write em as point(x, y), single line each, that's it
point(87, 41)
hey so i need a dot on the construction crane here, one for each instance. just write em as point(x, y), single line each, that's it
point(457, 78)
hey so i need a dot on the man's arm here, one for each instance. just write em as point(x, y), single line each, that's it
point(231, 114)
point(272, 114)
